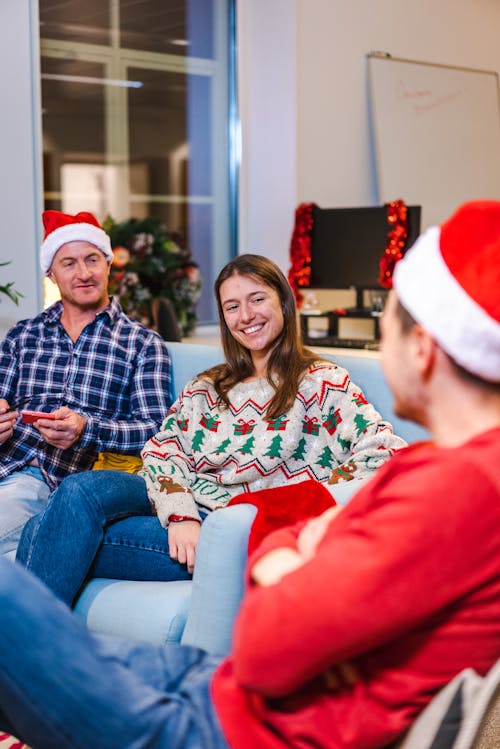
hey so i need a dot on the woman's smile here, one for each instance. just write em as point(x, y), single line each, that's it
point(253, 329)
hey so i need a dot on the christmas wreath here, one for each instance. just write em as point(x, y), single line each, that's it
point(148, 263)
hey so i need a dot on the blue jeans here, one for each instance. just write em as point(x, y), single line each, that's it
point(97, 524)
point(23, 494)
point(62, 687)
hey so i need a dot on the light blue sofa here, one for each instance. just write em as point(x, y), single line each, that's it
point(201, 612)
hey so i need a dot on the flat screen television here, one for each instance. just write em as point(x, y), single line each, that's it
point(347, 244)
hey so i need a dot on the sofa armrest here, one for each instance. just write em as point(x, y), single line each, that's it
point(218, 580)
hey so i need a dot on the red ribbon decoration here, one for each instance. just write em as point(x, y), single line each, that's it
point(396, 241)
point(299, 274)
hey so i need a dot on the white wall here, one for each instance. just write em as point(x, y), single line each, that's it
point(334, 153)
point(266, 53)
point(335, 158)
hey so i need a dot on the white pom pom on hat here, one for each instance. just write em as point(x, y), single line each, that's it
point(61, 228)
point(449, 281)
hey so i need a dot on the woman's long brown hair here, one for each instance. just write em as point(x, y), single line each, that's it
point(288, 360)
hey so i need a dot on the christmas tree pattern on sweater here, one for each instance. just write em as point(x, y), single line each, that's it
point(331, 433)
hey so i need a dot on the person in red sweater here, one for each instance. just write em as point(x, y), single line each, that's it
point(354, 619)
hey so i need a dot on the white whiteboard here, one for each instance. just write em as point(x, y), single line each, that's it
point(437, 134)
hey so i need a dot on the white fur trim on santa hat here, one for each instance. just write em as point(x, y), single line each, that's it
point(431, 294)
point(81, 232)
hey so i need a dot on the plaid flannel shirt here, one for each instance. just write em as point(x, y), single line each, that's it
point(117, 374)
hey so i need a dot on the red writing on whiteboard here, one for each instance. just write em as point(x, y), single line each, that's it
point(407, 92)
point(438, 102)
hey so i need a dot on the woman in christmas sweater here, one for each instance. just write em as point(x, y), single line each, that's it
point(273, 414)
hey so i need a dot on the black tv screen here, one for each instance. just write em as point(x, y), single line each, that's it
point(347, 244)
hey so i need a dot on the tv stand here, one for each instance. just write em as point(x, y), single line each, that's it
point(361, 310)
point(332, 333)
point(360, 307)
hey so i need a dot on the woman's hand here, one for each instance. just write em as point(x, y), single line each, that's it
point(182, 541)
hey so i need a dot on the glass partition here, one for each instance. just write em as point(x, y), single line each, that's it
point(136, 108)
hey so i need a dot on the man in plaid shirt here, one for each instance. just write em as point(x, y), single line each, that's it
point(104, 379)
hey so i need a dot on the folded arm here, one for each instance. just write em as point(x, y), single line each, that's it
point(372, 579)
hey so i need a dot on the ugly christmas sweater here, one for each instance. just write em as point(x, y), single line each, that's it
point(206, 453)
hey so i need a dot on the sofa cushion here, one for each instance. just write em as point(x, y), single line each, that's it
point(148, 611)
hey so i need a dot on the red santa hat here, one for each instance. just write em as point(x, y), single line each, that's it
point(62, 227)
point(449, 281)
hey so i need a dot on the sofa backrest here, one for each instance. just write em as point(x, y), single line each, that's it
point(188, 359)
point(367, 373)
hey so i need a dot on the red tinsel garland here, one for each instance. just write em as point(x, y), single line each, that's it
point(396, 241)
point(300, 250)
point(299, 274)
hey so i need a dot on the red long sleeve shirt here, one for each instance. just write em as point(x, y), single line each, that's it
point(405, 586)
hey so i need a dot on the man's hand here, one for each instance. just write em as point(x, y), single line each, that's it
point(277, 563)
point(313, 532)
point(63, 431)
point(341, 675)
point(274, 565)
point(7, 421)
point(182, 541)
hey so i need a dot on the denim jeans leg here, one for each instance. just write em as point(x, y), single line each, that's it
point(60, 545)
point(61, 686)
point(23, 494)
point(136, 548)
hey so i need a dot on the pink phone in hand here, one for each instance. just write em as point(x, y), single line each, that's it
point(29, 417)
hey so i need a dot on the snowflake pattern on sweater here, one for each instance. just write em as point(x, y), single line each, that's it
point(211, 453)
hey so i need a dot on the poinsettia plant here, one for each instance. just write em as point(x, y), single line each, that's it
point(9, 290)
point(149, 263)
